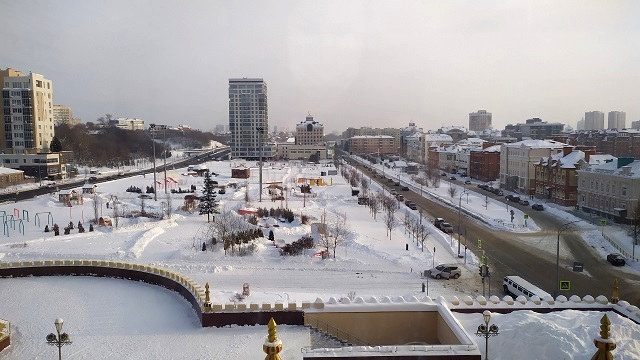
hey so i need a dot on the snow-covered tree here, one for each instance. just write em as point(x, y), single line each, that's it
point(208, 202)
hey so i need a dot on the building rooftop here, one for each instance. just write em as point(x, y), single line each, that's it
point(539, 144)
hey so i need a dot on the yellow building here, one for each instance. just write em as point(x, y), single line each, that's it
point(63, 115)
point(27, 102)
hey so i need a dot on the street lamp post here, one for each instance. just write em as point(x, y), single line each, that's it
point(164, 148)
point(556, 288)
point(486, 331)
point(260, 131)
point(460, 219)
point(60, 340)
point(152, 128)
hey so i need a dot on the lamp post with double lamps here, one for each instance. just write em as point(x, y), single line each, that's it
point(485, 330)
point(60, 340)
point(556, 289)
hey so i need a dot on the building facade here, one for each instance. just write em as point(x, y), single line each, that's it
point(309, 132)
point(63, 115)
point(480, 120)
point(610, 190)
point(556, 178)
point(368, 131)
point(41, 166)
point(27, 102)
point(484, 164)
point(372, 144)
point(288, 151)
point(594, 120)
point(11, 177)
point(619, 143)
point(129, 124)
point(617, 120)
point(517, 160)
point(249, 119)
point(534, 128)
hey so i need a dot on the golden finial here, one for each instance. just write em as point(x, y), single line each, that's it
point(206, 293)
point(273, 345)
point(604, 344)
point(614, 296)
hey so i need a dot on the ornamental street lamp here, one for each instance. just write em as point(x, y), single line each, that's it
point(60, 340)
point(485, 330)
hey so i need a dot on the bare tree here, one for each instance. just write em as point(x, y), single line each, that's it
point(143, 210)
point(452, 191)
point(422, 234)
point(634, 232)
point(375, 204)
point(334, 234)
point(116, 211)
point(389, 220)
point(364, 184)
point(169, 205)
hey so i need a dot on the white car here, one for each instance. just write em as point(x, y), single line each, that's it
point(446, 271)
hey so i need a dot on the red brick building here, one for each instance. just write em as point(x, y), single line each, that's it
point(370, 144)
point(484, 164)
point(556, 178)
point(619, 143)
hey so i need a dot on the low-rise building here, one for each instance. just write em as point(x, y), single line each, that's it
point(484, 164)
point(290, 151)
point(40, 166)
point(517, 171)
point(11, 177)
point(129, 124)
point(611, 190)
point(556, 178)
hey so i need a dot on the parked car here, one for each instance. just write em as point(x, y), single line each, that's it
point(509, 197)
point(93, 179)
point(446, 271)
point(405, 188)
point(437, 222)
point(452, 178)
point(443, 174)
point(413, 206)
point(538, 207)
point(397, 183)
point(616, 259)
point(399, 197)
point(524, 202)
point(446, 227)
point(393, 192)
point(467, 182)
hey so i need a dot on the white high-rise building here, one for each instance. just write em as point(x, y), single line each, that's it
point(594, 120)
point(479, 121)
point(249, 119)
point(28, 112)
point(617, 120)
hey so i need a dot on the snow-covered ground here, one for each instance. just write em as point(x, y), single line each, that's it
point(104, 317)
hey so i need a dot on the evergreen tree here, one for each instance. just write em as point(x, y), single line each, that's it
point(55, 145)
point(208, 202)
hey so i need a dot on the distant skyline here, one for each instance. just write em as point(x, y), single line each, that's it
point(348, 63)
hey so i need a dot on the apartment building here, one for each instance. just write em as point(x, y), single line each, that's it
point(480, 120)
point(249, 119)
point(619, 143)
point(27, 103)
point(41, 166)
point(368, 131)
point(616, 120)
point(534, 128)
point(309, 132)
point(434, 140)
point(611, 190)
point(517, 160)
point(372, 144)
point(594, 120)
point(64, 115)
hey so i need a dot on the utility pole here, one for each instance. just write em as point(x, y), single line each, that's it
point(152, 128)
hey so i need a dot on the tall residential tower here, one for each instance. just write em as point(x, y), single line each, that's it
point(617, 120)
point(249, 119)
point(594, 120)
point(479, 121)
point(27, 103)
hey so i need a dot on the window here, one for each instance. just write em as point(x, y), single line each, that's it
point(623, 190)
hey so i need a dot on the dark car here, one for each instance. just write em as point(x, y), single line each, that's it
point(538, 207)
point(413, 206)
point(397, 183)
point(405, 188)
point(509, 197)
point(93, 179)
point(443, 174)
point(616, 259)
point(452, 178)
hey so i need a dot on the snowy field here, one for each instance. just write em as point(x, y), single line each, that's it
point(105, 317)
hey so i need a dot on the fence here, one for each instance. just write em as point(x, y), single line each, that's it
point(620, 249)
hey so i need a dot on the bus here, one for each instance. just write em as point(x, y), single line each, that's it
point(516, 286)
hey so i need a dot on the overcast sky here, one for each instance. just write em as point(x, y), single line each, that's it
point(349, 63)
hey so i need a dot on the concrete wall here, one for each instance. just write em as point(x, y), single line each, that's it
point(384, 328)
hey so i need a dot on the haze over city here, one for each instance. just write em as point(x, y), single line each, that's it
point(356, 63)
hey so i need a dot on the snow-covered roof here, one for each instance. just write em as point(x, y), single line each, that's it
point(89, 186)
point(66, 192)
point(601, 159)
point(445, 129)
point(568, 161)
point(9, 171)
point(430, 138)
point(399, 163)
point(494, 148)
point(537, 143)
point(613, 169)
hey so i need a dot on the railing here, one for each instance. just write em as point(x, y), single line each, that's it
point(5, 333)
point(339, 334)
point(383, 349)
point(620, 249)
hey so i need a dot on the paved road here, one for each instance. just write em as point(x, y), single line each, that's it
point(520, 254)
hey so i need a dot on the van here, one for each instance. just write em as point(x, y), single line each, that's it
point(517, 286)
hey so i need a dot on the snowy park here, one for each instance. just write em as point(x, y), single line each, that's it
point(113, 318)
